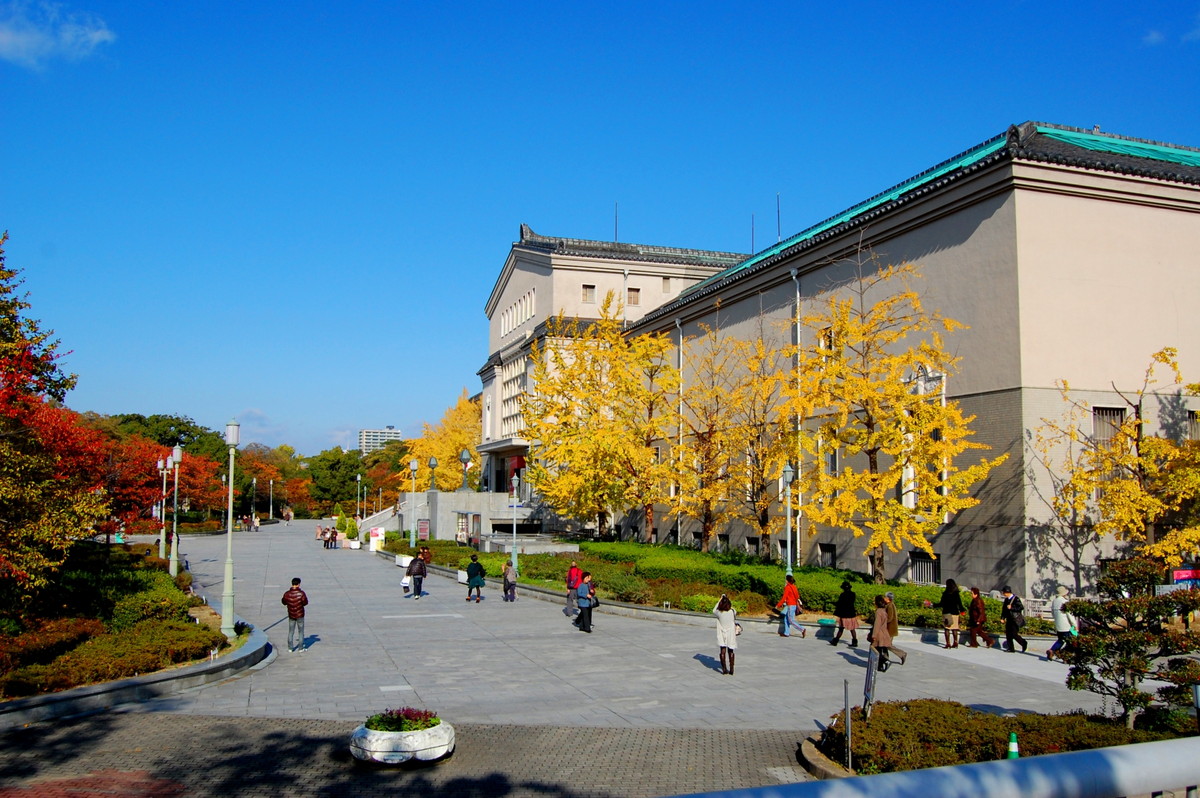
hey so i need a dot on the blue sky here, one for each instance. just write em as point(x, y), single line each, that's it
point(294, 213)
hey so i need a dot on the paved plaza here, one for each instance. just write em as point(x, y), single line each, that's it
point(638, 708)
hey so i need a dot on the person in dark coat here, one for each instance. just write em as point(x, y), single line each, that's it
point(847, 616)
point(417, 572)
point(475, 574)
point(1013, 616)
point(952, 608)
point(976, 618)
point(295, 600)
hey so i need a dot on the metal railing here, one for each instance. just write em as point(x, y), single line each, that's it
point(1124, 770)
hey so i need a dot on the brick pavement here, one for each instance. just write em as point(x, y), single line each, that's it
point(157, 754)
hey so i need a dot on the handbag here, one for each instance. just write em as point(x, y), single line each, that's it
point(1018, 618)
point(737, 629)
point(405, 583)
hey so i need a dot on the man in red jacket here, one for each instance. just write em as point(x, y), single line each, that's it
point(295, 600)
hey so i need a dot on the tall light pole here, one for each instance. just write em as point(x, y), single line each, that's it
point(164, 468)
point(231, 439)
point(464, 457)
point(413, 465)
point(177, 456)
point(433, 473)
point(271, 501)
point(516, 483)
point(253, 496)
point(358, 503)
point(788, 474)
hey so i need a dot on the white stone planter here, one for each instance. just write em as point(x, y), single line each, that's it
point(354, 544)
point(394, 748)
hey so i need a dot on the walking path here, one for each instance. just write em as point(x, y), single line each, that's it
point(519, 682)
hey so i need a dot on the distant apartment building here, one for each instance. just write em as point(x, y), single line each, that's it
point(371, 439)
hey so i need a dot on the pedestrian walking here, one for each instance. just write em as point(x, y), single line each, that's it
point(726, 632)
point(1065, 625)
point(893, 625)
point(295, 600)
point(426, 554)
point(847, 616)
point(952, 608)
point(475, 574)
point(416, 573)
point(574, 577)
point(1013, 615)
point(976, 618)
point(790, 604)
point(585, 594)
point(881, 638)
point(510, 582)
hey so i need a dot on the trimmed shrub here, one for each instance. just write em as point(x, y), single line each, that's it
point(44, 644)
point(183, 581)
point(148, 647)
point(162, 601)
point(624, 586)
point(926, 733)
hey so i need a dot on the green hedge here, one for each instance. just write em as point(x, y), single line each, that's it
point(147, 647)
point(51, 640)
point(162, 600)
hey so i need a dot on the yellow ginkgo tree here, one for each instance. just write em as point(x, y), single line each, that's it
point(1132, 485)
point(880, 439)
point(597, 417)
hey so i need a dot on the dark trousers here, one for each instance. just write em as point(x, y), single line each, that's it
point(977, 631)
point(585, 618)
point(1012, 633)
point(417, 581)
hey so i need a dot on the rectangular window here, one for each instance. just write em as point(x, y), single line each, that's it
point(633, 297)
point(924, 569)
point(753, 545)
point(722, 542)
point(589, 294)
point(666, 285)
point(1106, 423)
point(1193, 425)
point(828, 555)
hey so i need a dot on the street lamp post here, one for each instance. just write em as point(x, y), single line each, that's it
point(788, 474)
point(516, 483)
point(253, 497)
point(164, 468)
point(358, 502)
point(464, 457)
point(177, 456)
point(412, 518)
point(271, 501)
point(433, 464)
point(231, 439)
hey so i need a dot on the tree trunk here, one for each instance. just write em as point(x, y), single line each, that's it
point(648, 515)
point(877, 565)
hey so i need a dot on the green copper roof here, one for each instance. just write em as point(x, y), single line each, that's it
point(1138, 149)
point(970, 156)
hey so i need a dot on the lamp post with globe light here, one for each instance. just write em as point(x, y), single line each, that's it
point(177, 456)
point(516, 483)
point(788, 474)
point(227, 628)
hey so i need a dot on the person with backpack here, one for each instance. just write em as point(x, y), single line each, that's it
point(475, 574)
point(585, 594)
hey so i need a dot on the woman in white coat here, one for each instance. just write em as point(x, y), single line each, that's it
point(726, 632)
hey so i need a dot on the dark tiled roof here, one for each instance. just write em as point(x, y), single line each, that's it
point(617, 250)
point(1031, 141)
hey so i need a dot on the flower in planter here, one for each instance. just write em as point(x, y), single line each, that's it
point(403, 719)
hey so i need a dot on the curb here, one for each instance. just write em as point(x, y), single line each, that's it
point(98, 697)
point(819, 765)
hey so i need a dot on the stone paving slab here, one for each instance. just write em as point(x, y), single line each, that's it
point(516, 679)
point(132, 754)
